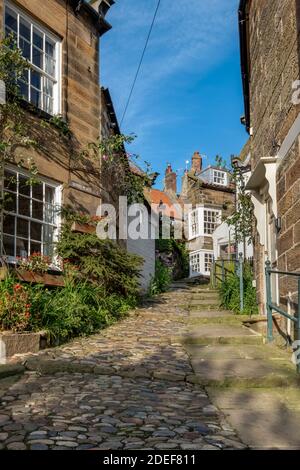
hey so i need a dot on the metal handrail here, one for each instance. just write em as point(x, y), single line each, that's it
point(270, 306)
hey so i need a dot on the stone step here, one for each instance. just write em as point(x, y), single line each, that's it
point(207, 301)
point(203, 314)
point(263, 418)
point(224, 334)
point(213, 298)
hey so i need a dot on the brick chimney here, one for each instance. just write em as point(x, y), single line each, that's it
point(170, 180)
point(197, 162)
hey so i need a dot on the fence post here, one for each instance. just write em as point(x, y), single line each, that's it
point(223, 272)
point(298, 321)
point(241, 275)
point(269, 301)
point(212, 272)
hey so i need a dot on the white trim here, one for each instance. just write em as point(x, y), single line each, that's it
point(201, 257)
point(57, 80)
point(56, 203)
point(289, 140)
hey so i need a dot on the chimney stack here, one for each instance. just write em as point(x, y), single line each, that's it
point(170, 180)
point(197, 162)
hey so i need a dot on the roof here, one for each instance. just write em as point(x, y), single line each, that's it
point(166, 206)
point(110, 109)
point(213, 167)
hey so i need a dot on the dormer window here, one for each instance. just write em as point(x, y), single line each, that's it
point(219, 177)
point(40, 84)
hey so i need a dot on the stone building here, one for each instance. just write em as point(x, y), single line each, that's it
point(211, 196)
point(270, 52)
point(60, 40)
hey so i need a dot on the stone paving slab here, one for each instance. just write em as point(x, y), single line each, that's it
point(216, 334)
point(125, 388)
point(265, 418)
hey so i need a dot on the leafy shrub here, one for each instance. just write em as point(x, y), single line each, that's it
point(103, 262)
point(36, 263)
point(230, 293)
point(161, 281)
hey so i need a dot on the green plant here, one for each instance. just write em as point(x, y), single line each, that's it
point(161, 281)
point(36, 263)
point(103, 262)
point(14, 306)
point(230, 292)
point(60, 123)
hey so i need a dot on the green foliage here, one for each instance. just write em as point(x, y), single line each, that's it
point(161, 281)
point(60, 123)
point(243, 216)
point(14, 306)
point(103, 262)
point(119, 168)
point(220, 162)
point(230, 292)
point(180, 254)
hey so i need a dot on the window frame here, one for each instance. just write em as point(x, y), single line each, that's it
point(210, 211)
point(57, 80)
point(57, 203)
point(194, 233)
point(218, 179)
point(200, 256)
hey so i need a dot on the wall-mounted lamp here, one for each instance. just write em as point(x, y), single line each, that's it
point(278, 224)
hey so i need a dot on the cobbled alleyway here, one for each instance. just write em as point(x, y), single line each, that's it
point(129, 387)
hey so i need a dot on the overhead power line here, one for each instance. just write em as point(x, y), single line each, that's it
point(141, 61)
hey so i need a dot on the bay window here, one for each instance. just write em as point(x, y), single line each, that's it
point(40, 84)
point(30, 215)
point(194, 224)
point(211, 221)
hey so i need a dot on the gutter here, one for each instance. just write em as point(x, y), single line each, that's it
point(99, 21)
point(244, 52)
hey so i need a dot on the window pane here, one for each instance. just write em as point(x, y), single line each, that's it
point(22, 228)
point(35, 247)
point(48, 234)
point(48, 87)
point(24, 185)
point(9, 224)
point(10, 202)
point(37, 210)
point(50, 66)
point(37, 191)
point(50, 214)
point(9, 245)
point(49, 194)
point(48, 104)
point(11, 19)
point(48, 250)
point(37, 57)
point(36, 231)
point(10, 180)
point(38, 39)
point(25, 48)
point(25, 29)
point(22, 248)
point(24, 206)
point(36, 79)
point(35, 97)
point(50, 47)
point(24, 90)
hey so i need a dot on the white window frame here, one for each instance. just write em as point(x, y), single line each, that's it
point(57, 80)
point(199, 259)
point(58, 188)
point(220, 177)
point(218, 216)
point(194, 224)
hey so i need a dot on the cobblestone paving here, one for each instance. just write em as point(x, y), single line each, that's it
point(132, 392)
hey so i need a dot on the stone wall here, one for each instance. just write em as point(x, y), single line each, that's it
point(274, 66)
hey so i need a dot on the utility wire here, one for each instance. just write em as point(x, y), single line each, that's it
point(141, 61)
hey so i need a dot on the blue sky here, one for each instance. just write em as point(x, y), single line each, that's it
point(188, 96)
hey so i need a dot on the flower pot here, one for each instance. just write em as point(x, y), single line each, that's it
point(20, 343)
point(55, 280)
point(83, 228)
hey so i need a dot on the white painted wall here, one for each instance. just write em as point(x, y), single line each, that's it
point(145, 249)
